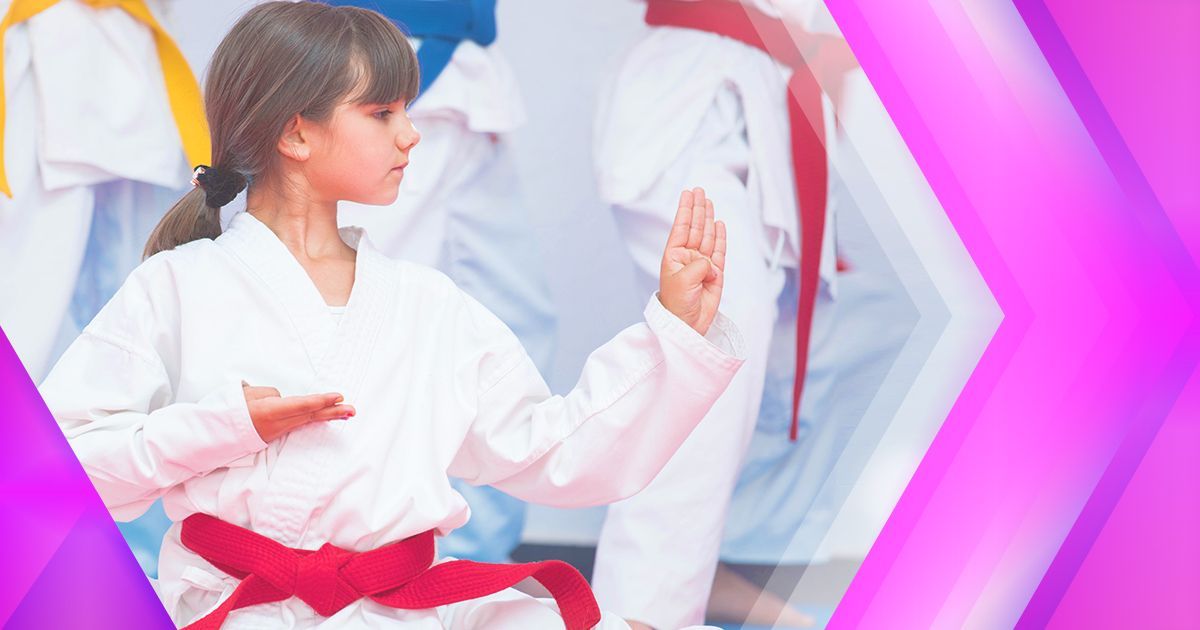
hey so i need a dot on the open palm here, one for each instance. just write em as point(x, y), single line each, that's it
point(693, 265)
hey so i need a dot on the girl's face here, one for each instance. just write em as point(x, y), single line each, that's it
point(361, 153)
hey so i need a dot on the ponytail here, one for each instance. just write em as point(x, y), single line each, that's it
point(198, 214)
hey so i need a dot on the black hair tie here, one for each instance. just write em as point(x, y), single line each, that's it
point(220, 185)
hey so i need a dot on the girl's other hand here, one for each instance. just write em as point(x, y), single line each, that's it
point(274, 416)
point(693, 265)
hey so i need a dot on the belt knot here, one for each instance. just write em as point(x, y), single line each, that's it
point(319, 581)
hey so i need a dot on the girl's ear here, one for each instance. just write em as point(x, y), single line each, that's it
point(296, 141)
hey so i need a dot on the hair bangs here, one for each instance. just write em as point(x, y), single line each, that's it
point(385, 62)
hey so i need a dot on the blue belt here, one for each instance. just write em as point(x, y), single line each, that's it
point(440, 24)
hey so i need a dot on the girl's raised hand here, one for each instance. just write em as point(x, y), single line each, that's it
point(693, 266)
point(274, 416)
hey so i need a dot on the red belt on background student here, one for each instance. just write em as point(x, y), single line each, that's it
point(400, 575)
point(808, 55)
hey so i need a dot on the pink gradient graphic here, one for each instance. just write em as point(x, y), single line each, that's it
point(1099, 298)
point(1113, 64)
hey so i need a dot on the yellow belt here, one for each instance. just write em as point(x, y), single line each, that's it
point(183, 91)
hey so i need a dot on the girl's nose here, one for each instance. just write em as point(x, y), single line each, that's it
point(409, 138)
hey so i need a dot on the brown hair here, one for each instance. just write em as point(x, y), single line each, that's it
point(279, 60)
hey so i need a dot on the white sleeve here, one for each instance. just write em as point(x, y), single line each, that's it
point(112, 397)
point(639, 397)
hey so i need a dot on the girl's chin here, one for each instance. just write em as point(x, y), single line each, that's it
point(386, 197)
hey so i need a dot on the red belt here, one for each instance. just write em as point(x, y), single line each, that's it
point(399, 575)
point(805, 53)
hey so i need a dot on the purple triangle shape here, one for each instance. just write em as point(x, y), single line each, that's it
point(92, 582)
point(91, 579)
point(41, 526)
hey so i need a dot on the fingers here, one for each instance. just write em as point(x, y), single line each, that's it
point(693, 226)
point(719, 244)
point(303, 405)
point(336, 412)
point(696, 231)
point(683, 222)
point(709, 240)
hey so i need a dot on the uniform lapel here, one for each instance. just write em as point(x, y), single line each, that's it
point(305, 470)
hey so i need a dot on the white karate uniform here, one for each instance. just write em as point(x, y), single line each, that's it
point(92, 112)
point(689, 108)
point(150, 398)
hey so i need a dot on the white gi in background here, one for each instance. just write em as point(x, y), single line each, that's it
point(123, 212)
point(92, 113)
point(150, 398)
point(785, 500)
point(689, 108)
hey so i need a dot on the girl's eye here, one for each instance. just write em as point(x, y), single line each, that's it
point(382, 114)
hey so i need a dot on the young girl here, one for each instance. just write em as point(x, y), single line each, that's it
point(203, 381)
